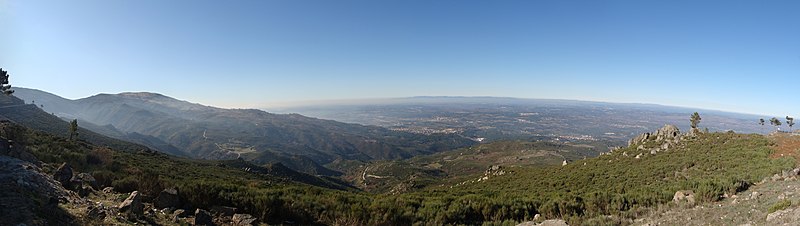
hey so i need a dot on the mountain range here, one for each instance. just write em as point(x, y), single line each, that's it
point(189, 129)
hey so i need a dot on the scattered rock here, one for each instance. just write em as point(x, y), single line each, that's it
point(84, 178)
point(83, 190)
point(108, 190)
point(243, 219)
point(202, 217)
point(167, 198)
point(132, 205)
point(494, 170)
point(777, 214)
point(63, 174)
point(564, 163)
point(638, 156)
point(754, 195)
point(224, 210)
point(28, 196)
point(180, 213)
point(776, 177)
point(683, 196)
point(96, 213)
point(553, 223)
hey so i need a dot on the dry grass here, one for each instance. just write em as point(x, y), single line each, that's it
point(786, 145)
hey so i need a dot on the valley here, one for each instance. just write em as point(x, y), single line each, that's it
point(497, 118)
point(502, 180)
point(399, 113)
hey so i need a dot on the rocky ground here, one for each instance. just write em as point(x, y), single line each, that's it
point(31, 196)
point(773, 201)
point(759, 205)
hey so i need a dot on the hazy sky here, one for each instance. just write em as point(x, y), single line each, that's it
point(731, 55)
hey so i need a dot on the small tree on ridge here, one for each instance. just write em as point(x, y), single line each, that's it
point(5, 88)
point(694, 120)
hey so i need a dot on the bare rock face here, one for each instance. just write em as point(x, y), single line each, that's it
point(132, 205)
point(683, 197)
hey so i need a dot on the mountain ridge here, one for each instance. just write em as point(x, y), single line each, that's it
point(216, 133)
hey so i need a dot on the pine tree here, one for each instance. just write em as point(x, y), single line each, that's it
point(5, 88)
point(73, 129)
point(695, 119)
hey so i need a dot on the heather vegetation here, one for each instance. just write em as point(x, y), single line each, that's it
point(614, 188)
point(611, 188)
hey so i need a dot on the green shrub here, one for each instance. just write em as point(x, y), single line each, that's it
point(783, 204)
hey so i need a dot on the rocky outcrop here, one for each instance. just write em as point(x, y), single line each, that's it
point(63, 174)
point(683, 197)
point(786, 175)
point(202, 217)
point(556, 222)
point(132, 205)
point(784, 216)
point(668, 132)
point(662, 139)
point(85, 179)
point(226, 211)
point(83, 184)
point(639, 139)
point(494, 171)
point(167, 198)
point(30, 197)
point(96, 212)
point(243, 220)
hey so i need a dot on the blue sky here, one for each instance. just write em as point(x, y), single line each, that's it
point(741, 56)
